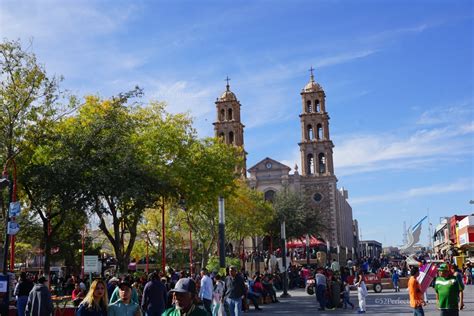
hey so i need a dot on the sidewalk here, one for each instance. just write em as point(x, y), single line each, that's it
point(387, 302)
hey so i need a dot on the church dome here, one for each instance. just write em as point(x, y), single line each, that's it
point(312, 86)
point(228, 96)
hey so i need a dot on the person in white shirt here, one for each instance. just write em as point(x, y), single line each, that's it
point(205, 292)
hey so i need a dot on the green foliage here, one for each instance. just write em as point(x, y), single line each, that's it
point(213, 264)
point(300, 216)
point(247, 213)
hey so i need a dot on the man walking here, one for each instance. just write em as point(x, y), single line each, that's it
point(414, 290)
point(39, 300)
point(321, 283)
point(205, 292)
point(449, 292)
point(234, 291)
point(154, 296)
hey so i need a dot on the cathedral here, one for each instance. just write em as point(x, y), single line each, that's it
point(317, 179)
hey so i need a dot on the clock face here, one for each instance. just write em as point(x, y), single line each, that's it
point(268, 165)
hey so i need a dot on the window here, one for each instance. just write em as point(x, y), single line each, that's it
point(221, 135)
point(317, 106)
point(229, 115)
point(319, 131)
point(269, 196)
point(322, 163)
point(310, 164)
point(231, 137)
point(222, 116)
point(309, 129)
point(317, 197)
point(309, 107)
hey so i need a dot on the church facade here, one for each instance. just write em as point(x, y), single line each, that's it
point(317, 180)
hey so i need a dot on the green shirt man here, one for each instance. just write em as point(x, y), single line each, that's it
point(184, 293)
point(449, 295)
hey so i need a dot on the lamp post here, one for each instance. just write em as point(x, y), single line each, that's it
point(221, 232)
point(285, 272)
point(82, 252)
point(12, 198)
point(182, 203)
point(163, 241)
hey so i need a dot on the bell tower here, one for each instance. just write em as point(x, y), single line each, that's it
point(316, 145)
point(228, 125)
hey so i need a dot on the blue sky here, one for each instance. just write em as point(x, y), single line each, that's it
point(398, 77)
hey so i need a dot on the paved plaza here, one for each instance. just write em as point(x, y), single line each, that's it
point(385, 303)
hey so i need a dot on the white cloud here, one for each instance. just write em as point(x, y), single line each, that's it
point(446, 114)
point(460, 185)
point(385, 151)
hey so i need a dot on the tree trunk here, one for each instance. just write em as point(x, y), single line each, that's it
point(47, 249)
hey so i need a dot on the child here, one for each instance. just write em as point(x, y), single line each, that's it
point(346, 295)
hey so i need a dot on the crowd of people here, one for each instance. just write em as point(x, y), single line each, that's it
point(175, 293)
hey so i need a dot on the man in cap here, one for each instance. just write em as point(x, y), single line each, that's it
point(124, 306)
point(184, 294)
point(449, 292)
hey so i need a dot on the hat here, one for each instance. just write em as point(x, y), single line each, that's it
point(185, 285)
point(443, 267)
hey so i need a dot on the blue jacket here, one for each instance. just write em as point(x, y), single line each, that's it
point(154, 297)
point(84, 311)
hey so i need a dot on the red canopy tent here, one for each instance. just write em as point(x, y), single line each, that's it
point(301, 242)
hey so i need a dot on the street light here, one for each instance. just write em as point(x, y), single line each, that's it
point(145, 235)
point(221, 232)
point(163, 241)
point(285, 272)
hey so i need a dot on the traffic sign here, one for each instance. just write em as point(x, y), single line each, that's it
point(14, 210)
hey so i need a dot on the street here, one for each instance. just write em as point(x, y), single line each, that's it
point(387, 302)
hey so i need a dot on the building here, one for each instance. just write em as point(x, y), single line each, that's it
point(441, 241)
point(465, 234)
point(317, 179)
point(370, 248)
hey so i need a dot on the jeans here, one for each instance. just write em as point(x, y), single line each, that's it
point(321, 296)
point(207, 305)
point(449, 312)
point(235, 306)
point(21, 305)
point(418, 311)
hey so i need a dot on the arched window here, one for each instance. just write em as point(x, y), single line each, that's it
point(319, 131)
point(269, 196)
point(322, 163)
point(229, 114)
point(317, 107)
point(309, 132)
point(222, 116)
point(221, 135)
point(231, 137)
point(310, 164)
point(309, 107)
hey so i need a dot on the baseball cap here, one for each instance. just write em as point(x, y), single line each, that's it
point(185, 285)
point(443, 267)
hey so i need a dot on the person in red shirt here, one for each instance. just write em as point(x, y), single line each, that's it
point(77, 294)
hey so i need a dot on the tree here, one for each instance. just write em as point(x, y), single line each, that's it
point(208, 171)
point(300, 216)
point(247, 214)
point(29, 105)
point(108, 151)
point(28, 100)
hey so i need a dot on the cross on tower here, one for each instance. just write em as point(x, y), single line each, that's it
point(227, 79)
point(311, 70)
